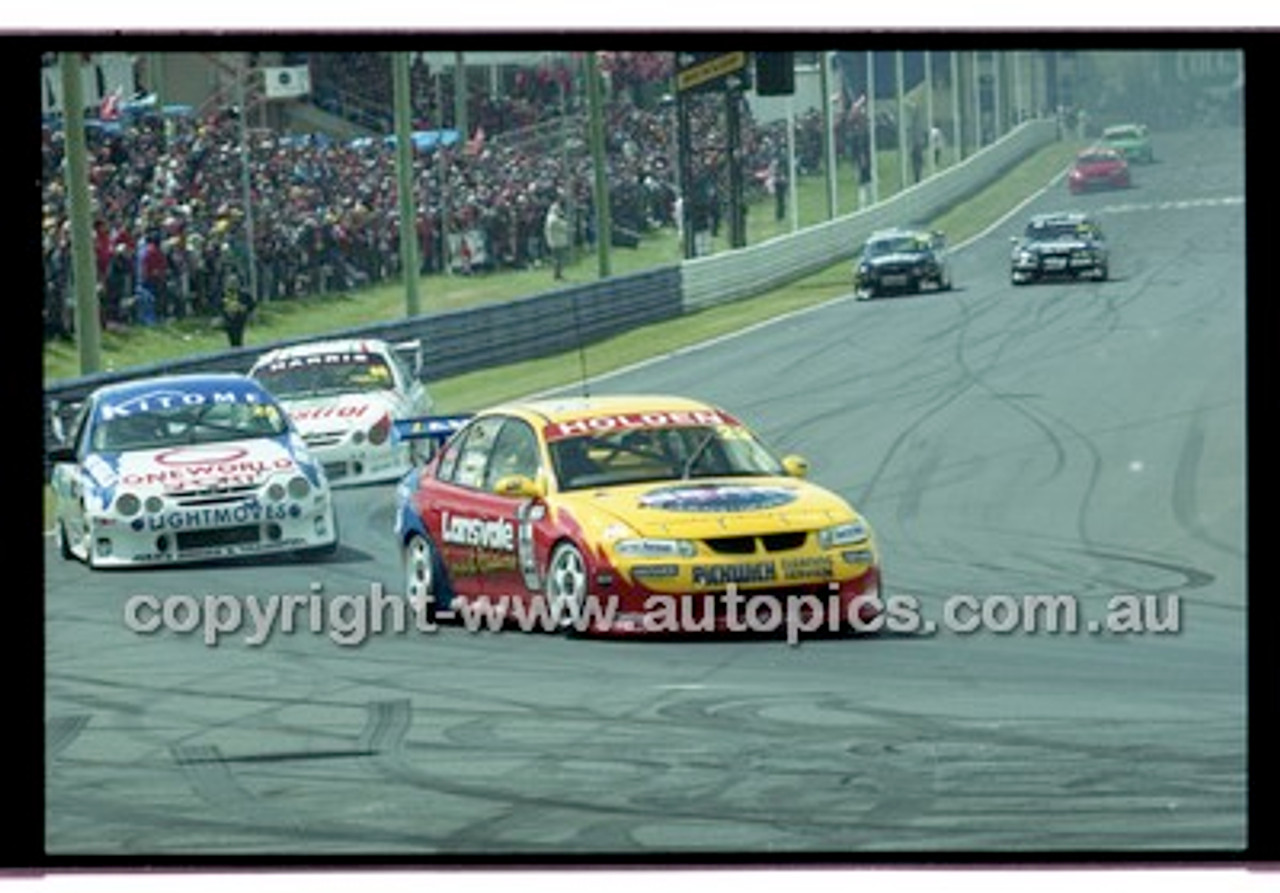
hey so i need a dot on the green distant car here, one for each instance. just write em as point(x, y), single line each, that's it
point(1133, 141)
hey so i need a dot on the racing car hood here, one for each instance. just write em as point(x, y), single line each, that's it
point(181, 469)
point(340, 412)
point(708, 507)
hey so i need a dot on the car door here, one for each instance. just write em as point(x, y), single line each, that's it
point(463, 517)
point(516, 452)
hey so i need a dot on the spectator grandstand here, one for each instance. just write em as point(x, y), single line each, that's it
point(168, 202)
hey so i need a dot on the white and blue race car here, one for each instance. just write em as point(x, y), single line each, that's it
point(345, 397)
point(187, 468)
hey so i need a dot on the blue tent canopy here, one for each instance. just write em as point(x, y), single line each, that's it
point(423, 140)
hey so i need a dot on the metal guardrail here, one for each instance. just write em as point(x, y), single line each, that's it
point(459, 341)
point(756, 269)
point(456, 341)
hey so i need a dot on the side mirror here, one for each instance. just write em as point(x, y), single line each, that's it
point(796, 466)
point(519, 486)
point(62, 453)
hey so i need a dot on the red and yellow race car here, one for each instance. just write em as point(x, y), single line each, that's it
point(628, 515)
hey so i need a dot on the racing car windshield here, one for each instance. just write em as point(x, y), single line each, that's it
point(1121, 136)
point(339, 374)
point(659, 453)
point(1050, 232)
point(186, 424)
point(896, 245)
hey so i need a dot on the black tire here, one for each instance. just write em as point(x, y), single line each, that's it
point(1103, 273)
point(420, 564)
point(64, 546)
point(567, 585)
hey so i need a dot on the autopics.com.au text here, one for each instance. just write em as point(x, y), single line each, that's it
point(350, 620)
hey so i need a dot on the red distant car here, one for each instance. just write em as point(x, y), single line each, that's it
point(1098, 169)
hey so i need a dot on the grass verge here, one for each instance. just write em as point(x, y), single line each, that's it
point(315, 315)
point(484, 387)
point(477, 389)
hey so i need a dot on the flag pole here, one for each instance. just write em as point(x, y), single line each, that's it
point(245, 182)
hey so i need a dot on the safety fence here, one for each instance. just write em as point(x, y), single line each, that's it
point(757, 269)
point(470, 339)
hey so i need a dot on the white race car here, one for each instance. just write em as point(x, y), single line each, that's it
point(345, 396)
point(187, 468)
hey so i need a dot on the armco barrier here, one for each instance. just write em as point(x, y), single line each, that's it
point(465, 340)
point(459, 341)
point(760, 268)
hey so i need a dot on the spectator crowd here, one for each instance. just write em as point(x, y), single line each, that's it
point(170, 228)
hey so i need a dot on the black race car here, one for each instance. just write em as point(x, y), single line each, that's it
point(1065, 245)
point(901, 260)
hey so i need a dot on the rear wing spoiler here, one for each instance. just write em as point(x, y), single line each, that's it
point(60, 414)
point(411, 352)
point(436, 428)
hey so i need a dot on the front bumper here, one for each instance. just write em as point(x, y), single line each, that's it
point(1089, 184)
point(706, 595)
point(1066, 265)
point(895, 278)
point(185, 535)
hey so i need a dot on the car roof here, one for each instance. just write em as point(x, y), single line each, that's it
point(1095, 151)
point(327, 346)
point(558, 409)
point(196, 381)
point(1118, 129)
point(897, 232)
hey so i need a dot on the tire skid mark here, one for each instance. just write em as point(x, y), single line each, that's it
point(387, 724)
point(1184, 489)
point(60, 731)
point(209, 775)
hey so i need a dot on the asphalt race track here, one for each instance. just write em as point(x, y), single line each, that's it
point(1077, 438)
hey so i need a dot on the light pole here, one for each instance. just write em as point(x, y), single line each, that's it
point(871, 126)
point(246, 186)
point(791, 162)
point(899, 86)
point(930, 163)
point(75, 172)
point(828, 137)
point(604, 224)
point(957, 130)
point(977, 102)
point(404, 180)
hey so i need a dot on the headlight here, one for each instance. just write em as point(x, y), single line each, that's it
point(154, 504)
point(381, 428)
point(127, 504)
point(843, 535)
point(655, 548)
point(298, 487)
point(275, 492)
point(1026, 257)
